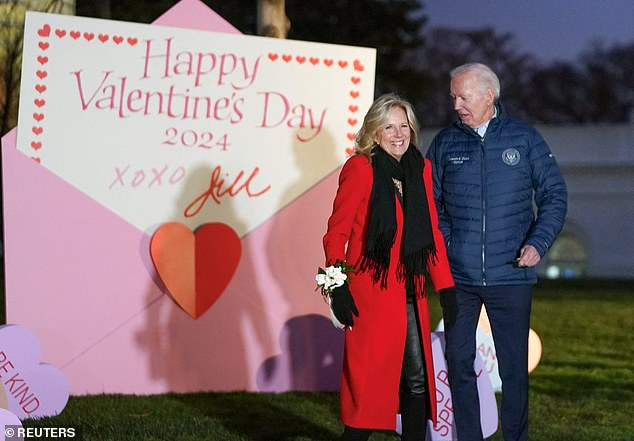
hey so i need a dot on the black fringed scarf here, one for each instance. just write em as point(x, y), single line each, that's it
point(417, 245)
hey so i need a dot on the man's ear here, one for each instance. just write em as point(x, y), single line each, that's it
point(491, 96)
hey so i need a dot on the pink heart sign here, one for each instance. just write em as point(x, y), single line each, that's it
point(443, 431)
point(33, 389)
point(9, 419)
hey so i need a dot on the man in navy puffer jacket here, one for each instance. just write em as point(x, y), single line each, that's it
point(490, 174)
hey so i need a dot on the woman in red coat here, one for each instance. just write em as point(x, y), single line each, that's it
point(384, 224)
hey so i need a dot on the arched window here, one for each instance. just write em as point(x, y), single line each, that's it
point(566, 259)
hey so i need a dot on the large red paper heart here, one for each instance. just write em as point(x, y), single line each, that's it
point(195, 267)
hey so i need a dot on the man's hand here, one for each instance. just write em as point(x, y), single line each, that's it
point(528, 257)
point(449, 304)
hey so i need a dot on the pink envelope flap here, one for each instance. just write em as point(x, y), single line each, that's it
point(194, 14)
point(72, 244)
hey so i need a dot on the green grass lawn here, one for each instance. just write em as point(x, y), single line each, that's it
point(582, 390)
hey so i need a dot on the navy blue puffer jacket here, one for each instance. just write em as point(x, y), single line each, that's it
point(486, 192)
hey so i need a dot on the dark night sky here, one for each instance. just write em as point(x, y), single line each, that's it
point(549, 29)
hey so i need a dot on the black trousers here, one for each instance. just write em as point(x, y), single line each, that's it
point(413, 372)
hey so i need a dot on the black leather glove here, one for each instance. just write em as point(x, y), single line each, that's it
point(449, 305)
point(342, 305)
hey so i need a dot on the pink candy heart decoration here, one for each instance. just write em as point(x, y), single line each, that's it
point(7, 418)
point(33, 389)
point(443, 431)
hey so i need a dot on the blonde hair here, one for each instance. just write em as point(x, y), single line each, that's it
point(376, 119)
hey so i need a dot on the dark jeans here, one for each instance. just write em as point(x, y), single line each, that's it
point(508, 309)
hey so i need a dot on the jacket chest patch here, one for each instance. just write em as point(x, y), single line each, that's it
point(511, 156)
point(458, 159)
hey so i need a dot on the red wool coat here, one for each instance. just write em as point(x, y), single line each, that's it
point(373, 353)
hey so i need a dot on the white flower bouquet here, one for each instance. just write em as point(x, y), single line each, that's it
point(332, 277)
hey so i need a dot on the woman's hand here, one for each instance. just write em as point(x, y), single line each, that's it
point(342, 304)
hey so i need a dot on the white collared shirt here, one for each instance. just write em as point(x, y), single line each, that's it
point(481, 131)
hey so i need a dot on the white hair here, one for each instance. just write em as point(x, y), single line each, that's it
point(484, 74)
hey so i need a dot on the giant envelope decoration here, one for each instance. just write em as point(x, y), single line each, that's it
point(81, 278)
